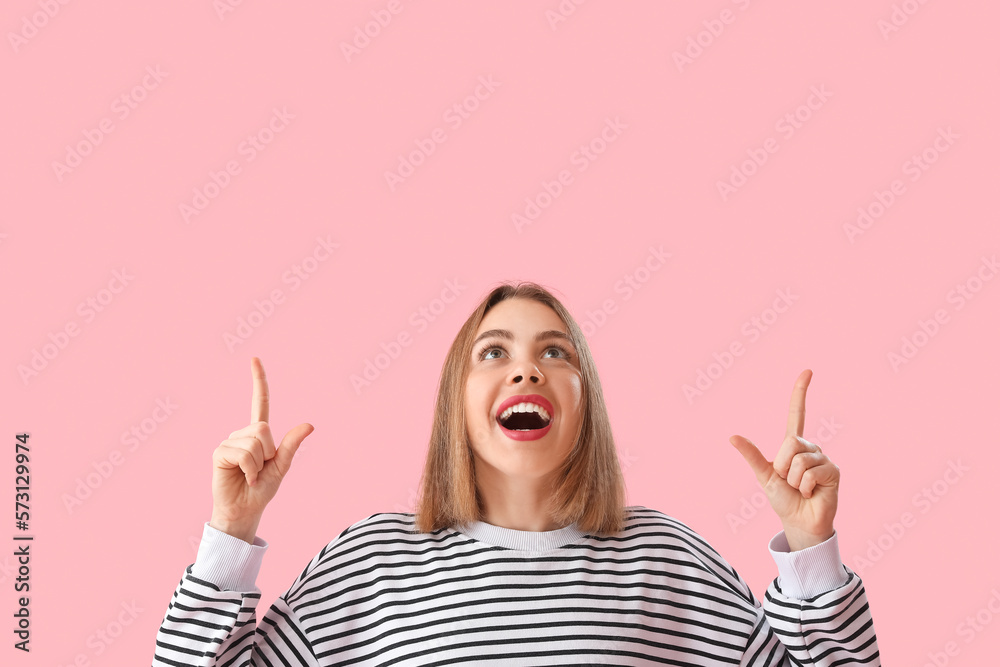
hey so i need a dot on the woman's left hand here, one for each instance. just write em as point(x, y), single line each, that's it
point(802, 482)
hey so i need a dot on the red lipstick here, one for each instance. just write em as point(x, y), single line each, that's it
point(534, 434)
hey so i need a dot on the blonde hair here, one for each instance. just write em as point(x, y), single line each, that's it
point(589, 487)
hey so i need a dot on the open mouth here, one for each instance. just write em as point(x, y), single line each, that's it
point(525, 417)
point(524, 421)
point(527, 412)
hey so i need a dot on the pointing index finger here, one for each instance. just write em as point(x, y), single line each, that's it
point(797, 409)
point(260, 401)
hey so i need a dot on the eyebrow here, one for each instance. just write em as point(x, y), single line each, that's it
point(507, 335)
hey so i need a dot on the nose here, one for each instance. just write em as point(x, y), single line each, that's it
point(518, 374)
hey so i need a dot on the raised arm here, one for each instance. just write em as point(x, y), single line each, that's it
point(816, 609)
point(211, 619)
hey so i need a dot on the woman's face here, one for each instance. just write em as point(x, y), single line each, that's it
point(513, 362)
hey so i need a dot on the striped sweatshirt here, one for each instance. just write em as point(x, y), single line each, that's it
point(383, 594)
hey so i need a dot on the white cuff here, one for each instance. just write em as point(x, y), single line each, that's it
point(227, 561)
point(810, 572)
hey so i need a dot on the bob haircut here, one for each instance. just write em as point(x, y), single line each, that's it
point(588, 487)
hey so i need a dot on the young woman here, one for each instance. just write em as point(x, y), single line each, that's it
point(521, 551)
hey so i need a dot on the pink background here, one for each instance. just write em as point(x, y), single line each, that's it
point(681, 131)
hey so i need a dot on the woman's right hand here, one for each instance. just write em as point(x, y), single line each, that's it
point(247, 467)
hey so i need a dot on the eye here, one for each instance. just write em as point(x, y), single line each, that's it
point(487, 350)
point(483, 355)
point(565, 353)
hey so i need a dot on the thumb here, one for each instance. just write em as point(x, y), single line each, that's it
point(762, 468)
point(289, 445)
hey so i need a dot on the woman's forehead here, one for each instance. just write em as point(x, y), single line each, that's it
point(523, 314)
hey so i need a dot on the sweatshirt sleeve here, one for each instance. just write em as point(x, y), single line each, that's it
point(212, 617)
point(815, 612)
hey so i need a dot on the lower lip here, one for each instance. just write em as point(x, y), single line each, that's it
point(525, 435)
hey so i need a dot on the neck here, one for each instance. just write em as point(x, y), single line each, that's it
point(514, 502)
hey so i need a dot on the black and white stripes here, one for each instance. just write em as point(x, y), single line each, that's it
point(382, 594)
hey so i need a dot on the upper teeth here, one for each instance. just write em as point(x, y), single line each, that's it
point(525, 407)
